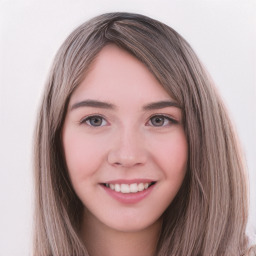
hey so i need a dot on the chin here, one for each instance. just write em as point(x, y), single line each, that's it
point(132, 225)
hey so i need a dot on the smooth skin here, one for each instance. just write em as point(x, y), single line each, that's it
point(117, 127)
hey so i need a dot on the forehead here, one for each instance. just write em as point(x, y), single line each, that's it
point(117, 75)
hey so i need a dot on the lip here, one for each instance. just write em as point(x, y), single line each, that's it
point(122, 181)
point(129, 198)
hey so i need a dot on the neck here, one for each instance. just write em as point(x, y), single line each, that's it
point(101, 240)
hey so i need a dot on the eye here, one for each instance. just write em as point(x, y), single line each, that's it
point(95, 121)
point(161, 120)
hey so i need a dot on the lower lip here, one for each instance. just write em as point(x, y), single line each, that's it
point(129, 198)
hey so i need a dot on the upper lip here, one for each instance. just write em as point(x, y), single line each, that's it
point(123, 181)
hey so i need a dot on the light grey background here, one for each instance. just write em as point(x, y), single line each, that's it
point(222, 32)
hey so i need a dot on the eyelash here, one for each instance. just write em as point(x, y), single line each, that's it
point(160, 116)
point(88, 118)
point(165, 117)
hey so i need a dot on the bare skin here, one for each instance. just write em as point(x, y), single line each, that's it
point(126, 152)
point(100, 240)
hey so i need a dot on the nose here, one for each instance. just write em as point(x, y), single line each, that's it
point(127, 150)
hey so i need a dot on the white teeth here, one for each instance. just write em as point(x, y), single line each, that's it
point(117, 188)
point(134, 188)
point(141, 187)
point(126, 188)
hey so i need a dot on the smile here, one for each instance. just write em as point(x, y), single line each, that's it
point(129, 188)
point(129, 191)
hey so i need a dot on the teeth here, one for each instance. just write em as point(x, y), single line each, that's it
point(134, 188)
point(126, 188)
point(117, 188)
point(141, 187)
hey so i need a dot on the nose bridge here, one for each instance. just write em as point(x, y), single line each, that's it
point(128, 149)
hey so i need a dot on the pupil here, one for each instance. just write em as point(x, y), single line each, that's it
point(96, 121)
point(158, 121)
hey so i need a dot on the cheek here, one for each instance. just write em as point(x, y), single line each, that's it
point(171, 155)
point(80, 152)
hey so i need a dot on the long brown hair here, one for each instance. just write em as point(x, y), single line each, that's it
point(209, 214)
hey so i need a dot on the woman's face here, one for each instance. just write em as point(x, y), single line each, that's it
point(124, 143)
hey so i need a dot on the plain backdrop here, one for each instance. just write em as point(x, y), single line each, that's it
point(222, 32)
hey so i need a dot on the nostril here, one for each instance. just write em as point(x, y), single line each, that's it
point(126, 157)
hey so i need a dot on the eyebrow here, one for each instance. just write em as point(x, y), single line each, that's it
point(161, 104)
point(92, 103)
point(106, 105)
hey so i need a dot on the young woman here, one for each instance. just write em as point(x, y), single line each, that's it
point(134, 151)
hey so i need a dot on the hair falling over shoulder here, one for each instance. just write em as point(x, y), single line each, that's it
point(209, 214)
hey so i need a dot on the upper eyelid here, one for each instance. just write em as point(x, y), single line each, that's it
point(84, 119)
point(170, 119)
point(164, 115)
point(167, 116)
